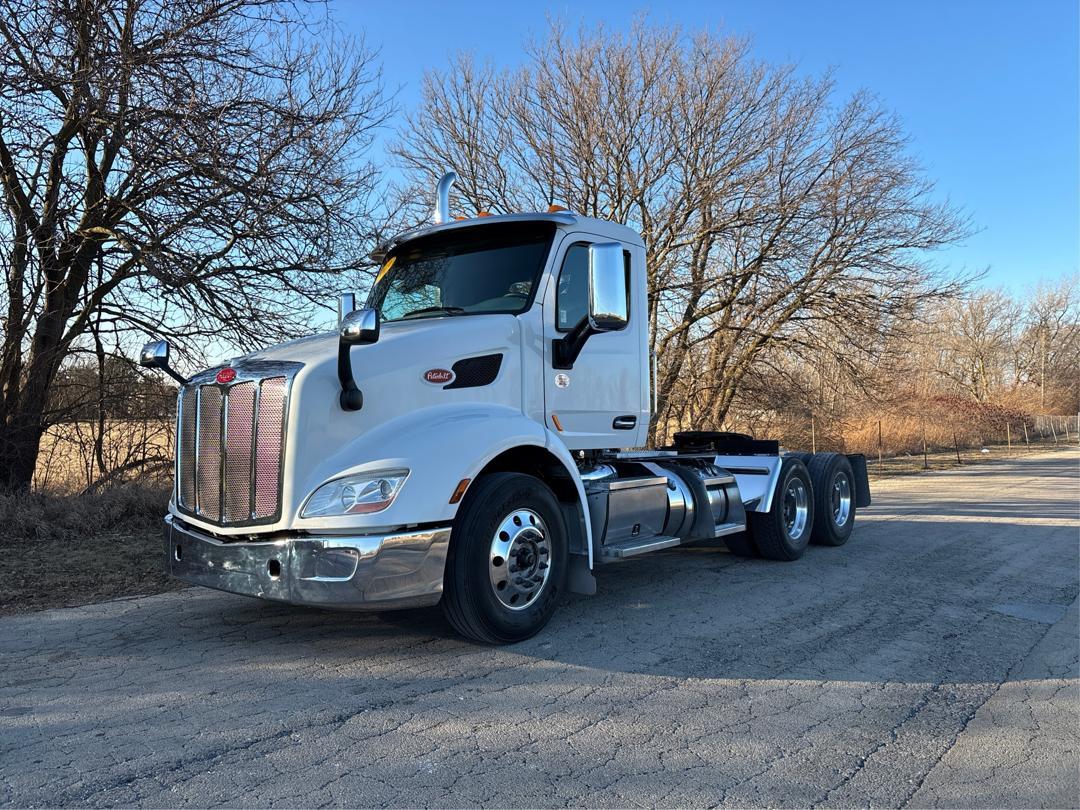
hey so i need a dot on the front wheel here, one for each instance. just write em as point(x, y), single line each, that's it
point(784, 531)
point(507, 560)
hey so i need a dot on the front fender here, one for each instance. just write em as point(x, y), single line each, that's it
point(440, 446)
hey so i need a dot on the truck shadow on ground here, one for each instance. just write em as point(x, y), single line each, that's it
point(917, 601)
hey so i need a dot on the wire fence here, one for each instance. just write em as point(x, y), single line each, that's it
point(934, 438)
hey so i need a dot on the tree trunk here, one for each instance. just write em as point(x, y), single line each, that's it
point(19, 444)
point(24, 421)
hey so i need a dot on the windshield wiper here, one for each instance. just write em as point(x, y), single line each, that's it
point(426, 310)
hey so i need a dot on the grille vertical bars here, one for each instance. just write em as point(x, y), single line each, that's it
point(231, 447)
point(185, 472)
point(239, 445)
point(269, 445)
point(208, 453)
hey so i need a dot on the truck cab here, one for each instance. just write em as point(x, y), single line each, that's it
point(474, 436)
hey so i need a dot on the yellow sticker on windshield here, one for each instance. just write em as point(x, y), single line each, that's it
point(385, 268)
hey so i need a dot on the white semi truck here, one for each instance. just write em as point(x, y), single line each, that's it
point(462, 440)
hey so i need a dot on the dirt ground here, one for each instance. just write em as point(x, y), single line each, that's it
point(58, 572)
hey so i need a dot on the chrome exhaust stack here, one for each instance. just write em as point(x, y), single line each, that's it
point(442, 198)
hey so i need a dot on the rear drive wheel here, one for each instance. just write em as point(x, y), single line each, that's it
point(834, 499)
point(507, 560)
point(784, 531)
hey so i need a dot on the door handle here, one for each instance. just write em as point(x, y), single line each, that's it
point(624, 423)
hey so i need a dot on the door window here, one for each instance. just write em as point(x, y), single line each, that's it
point(572, 291)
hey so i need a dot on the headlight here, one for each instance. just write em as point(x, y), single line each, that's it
point(355, 494)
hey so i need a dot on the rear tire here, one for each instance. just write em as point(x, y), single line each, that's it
point(784, 531)
point(834, 499)
point(507, 560)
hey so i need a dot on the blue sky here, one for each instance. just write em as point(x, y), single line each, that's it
point(988, 91)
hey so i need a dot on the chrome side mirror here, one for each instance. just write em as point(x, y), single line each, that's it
point(357, 328)
point(607, 287)
point(360, 326)
point(608, 308)
point(155, 354)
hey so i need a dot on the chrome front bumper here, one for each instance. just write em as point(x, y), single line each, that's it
point(371, 572)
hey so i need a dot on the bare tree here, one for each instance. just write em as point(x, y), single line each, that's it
point(975, 337)
point(773, 220)
point(181, 169)
point(1048, 347)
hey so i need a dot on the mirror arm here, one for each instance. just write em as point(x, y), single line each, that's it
point(174, 374)
point(351, 398)
point(155, 354)
point(565, 350)
point(357, 328)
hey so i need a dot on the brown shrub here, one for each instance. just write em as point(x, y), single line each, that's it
point(129, 508)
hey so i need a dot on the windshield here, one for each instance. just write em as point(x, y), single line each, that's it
point(480, 270)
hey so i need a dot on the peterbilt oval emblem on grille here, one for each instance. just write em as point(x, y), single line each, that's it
point(438, 376)
point(226, 375)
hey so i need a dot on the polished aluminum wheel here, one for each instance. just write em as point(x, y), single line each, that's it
point(841, 498)
point(796, 508)
point(519, 562)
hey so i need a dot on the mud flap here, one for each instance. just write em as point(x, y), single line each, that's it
point(862, 479)
point(579, 579)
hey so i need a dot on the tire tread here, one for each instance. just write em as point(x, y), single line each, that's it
point(824, 534)
point(460, 609)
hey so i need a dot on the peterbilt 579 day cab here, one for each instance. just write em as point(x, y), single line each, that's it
point(462, 440)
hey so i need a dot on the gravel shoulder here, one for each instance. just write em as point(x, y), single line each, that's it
point(931, 662)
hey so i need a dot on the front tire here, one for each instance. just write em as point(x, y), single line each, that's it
point(784, 531)
point(507, 561)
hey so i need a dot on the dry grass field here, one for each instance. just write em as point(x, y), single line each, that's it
point(61, 550)
point(78, 455)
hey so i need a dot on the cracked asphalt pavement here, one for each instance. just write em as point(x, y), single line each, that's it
point(933, 661)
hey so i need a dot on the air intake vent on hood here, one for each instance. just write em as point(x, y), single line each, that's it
point(473, 372)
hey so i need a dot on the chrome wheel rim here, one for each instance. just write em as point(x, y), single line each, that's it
point(519, 561)
point(841, 499)
point(796, 508)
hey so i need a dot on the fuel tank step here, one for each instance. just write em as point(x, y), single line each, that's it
point(633, 549)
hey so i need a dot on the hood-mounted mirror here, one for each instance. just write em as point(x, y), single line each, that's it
point(357, 328)
point(155, 354)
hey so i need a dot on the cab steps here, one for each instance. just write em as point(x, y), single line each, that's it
point(636, 547)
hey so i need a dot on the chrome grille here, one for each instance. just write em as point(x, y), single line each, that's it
point(185, 459)
point(208, 454)
point(268, 453)
point(231, 445)
point(239, 439)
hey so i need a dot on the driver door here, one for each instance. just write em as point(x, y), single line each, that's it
point(598, 403)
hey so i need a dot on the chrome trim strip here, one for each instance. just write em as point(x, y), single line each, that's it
point(255, 449)
point(195, 452)
point(640, 482)
point(223, 427)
